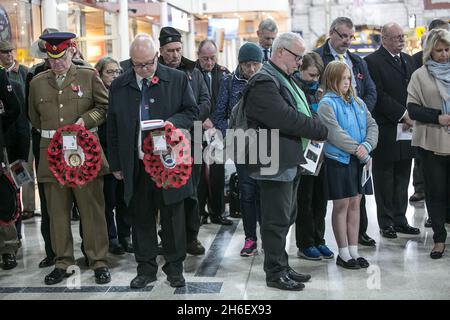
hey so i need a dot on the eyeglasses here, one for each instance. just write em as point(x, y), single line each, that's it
point(145, 65)
point(298, 57)
point(206, 59)
point(399, 37)
point(350, 37)
point(111, 72)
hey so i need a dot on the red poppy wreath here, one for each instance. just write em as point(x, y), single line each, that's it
point(78, 168)
point(165, 176)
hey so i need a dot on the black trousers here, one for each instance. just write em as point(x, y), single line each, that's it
point(113, 190)
point(436, 171)
point(147, 199)
point(211, 190)
point(418, 179)
point(363, 222)
point(191, 207)
point(45, 220)
point(311, 211)
point(391, 180)
point(278, 213)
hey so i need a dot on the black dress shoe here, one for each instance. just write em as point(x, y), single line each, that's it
point(350, 264)
point(428, 223)
point(204, 220)
point(221, 220)
point(176, 281)
point(102, 275)
point(9, 261)
point(285, 283)
point(407, 229)
point(126, 245)
point(299, 277)
point(437, 254)
point(388, 233)
point(365, 240)
point(195, 248)
point(417, 196)
point(116, 249)
point(363, 263)
point(46, 262)
point(56, 276)
point(141, 281)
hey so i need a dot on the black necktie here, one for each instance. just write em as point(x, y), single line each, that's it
point(208, 81)
point(145, 99)
point(266, 55)
point(145, 107)
point(398, 61)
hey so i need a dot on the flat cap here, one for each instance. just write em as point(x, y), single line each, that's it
point(6, 46)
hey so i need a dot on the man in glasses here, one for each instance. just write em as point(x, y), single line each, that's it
point(69, 94)
point(274, 102)
point(341, 35)
point(150, 90)
point(172, 56)
point(391, 70)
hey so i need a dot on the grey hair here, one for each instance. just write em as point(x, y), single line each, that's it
point(285, 40)
point(100, 65)
point(204, 42)
point(434, 37)
point(140, 38)
point(268, 24)
point(340, 21)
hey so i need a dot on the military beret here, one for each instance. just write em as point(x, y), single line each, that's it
point(6, 46)
point(168, 35)
point(56, 43)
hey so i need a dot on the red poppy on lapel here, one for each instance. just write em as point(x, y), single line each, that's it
point(155, 80)
point(75, 88)
point(360, 76)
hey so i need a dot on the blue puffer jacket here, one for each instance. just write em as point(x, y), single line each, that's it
point(226, 100)
point(351, 118)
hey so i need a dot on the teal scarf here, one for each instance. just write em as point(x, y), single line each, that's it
point(300, 99)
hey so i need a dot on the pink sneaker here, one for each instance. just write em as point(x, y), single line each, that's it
point(249, 248)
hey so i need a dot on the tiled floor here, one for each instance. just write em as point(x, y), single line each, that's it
point(400, 269)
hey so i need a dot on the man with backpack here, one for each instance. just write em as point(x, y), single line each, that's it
point(274, 104)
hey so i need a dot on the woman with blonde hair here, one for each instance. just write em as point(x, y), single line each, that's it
point(352, 135)
point(429, 105)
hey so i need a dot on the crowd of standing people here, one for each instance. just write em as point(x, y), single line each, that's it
point(355, 107)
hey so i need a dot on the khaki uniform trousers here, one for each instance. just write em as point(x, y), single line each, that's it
point(91, 205)
point(8, 239)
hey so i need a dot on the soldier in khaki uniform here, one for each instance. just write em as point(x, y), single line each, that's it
point(63, 95)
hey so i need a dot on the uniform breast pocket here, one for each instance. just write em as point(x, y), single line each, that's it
point(83, 101)
point(44, 106)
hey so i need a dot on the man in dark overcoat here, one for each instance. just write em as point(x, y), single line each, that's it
point(147, 91)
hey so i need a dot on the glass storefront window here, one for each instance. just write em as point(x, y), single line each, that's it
point(16, 26)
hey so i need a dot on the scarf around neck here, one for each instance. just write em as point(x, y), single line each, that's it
point(441, 72)
point(300, 99)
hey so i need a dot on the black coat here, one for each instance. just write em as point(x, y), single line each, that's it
point(217, 73)
point(270, 107)
point(392, 83)
point(418, 59)
point(174, 102)
point(364, 83)
point(198, 85)
point(18, 135)
point(11, 108)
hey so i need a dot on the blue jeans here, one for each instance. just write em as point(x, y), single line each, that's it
point(250, 202)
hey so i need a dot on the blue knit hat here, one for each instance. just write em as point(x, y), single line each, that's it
point(250, 52)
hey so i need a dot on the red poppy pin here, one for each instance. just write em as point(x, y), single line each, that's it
point(75, 88)
point(360, 76)
point(155, 80)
